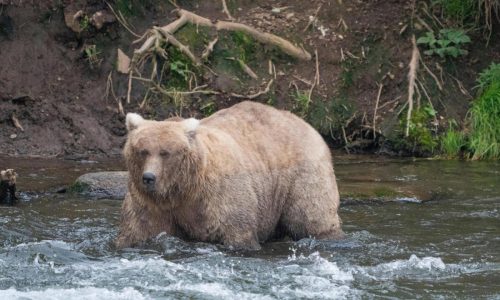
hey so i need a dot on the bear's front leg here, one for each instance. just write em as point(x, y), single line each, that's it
point(139, 223)
point(242, 240)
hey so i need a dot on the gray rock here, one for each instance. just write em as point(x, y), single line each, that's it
point(102, 185)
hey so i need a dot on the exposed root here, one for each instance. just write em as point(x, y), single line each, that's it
point(253, 96)
point(226, 11)
point(209, 49)
point(376, 108)
point(412, 74)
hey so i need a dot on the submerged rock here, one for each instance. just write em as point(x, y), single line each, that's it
point(102, 185)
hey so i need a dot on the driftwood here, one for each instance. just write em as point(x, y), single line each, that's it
point(8, 187)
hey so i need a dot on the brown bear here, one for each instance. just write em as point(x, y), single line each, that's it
point(240, 177)
point(8, 187)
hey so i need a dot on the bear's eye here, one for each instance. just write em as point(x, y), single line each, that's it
point(144, 152)
point(164, 153)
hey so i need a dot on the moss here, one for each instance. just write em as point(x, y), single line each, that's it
point(421, 139)
point(78, 188)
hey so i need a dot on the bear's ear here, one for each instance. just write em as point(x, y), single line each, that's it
point(190, 126)
point(133, 121)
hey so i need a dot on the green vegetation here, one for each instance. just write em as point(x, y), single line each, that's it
point(453, 142)
point(208, 109)
point(470, 14)
point(482, 139)
point(421, 136)
point(85, 23)
point(449, 42)
point(301, 103)
point(91, 53)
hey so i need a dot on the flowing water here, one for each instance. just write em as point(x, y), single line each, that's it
point(53, 246)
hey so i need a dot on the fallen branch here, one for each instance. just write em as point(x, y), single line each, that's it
point(263, 37)
point(253, 96)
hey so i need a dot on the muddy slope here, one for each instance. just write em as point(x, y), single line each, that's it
point(54, 101)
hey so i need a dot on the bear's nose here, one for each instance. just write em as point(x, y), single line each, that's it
point(148, 178)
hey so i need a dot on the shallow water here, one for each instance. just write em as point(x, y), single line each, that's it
point(56, 247)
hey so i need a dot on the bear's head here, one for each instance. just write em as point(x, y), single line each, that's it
point(161, 156)
point(8, 176)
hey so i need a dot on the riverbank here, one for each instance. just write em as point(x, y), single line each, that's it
point(60, 88)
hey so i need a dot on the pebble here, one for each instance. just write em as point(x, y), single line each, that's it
point(13, 136)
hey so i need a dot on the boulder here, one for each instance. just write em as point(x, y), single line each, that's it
point(102, 185)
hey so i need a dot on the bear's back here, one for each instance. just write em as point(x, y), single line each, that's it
point(269, 132)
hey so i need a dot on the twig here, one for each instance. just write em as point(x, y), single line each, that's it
point(313, 19)
point(245, 67)
point(315, 80)
point(183, 48)
point(129, 91)
point(346, 147)
point(411, 79)
point(376, 108)
point(122, 21)
point(432, 74)
point(226, 11)
point(253, 96)
point(109, 88)
point(303, 80)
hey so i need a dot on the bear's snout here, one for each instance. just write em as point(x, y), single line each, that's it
point(149, 179)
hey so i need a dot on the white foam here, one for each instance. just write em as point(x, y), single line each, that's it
point(89, 293)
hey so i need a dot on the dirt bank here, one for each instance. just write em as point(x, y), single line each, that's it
point(55, 98)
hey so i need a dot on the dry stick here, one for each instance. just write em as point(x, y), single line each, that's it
point(170, 93)
point(109, 87)
point(226, 11)
point(184, 49)
point(432, 74)
point(314, 18)
point(253, 96)
point(266, 38)
point(376, 108)
point(316, 78)
point(122, 21)
point(244, 67)
point(412, 74)
point(129, 91)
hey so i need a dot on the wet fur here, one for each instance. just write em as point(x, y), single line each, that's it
point(245, 175)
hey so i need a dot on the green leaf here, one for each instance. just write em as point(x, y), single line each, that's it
point(429, 52)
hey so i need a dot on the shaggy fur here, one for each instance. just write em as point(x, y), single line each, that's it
point(242, 176)
point(8, 187)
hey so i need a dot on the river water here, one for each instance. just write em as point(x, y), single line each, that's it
point(53, 246)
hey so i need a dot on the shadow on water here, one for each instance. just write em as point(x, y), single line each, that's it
point(59, 247)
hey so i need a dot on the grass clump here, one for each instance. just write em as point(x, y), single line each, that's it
point(453, 142)
point(484, 140)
